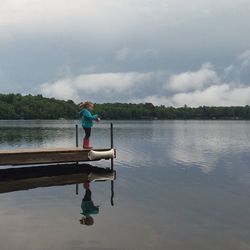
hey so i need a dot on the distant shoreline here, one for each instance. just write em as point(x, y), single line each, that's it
point(29, 107)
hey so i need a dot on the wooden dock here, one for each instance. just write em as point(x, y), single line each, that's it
point(45, 155)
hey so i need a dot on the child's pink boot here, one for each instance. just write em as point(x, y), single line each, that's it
point(86, 143)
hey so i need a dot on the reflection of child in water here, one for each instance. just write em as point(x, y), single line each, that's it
point(88, 207)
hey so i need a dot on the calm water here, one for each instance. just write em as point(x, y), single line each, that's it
point(180, 185)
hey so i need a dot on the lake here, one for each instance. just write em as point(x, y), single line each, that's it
point(180, 185)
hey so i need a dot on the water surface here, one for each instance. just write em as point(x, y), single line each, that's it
point(180, 185)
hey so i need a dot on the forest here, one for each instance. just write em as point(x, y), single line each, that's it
point(17, 106)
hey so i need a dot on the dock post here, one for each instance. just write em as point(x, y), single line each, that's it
point(112, 143)
point(112, 162)
point(77, 144)
point(76, 135)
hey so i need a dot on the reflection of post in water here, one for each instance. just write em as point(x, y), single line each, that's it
point(112, 193)
point(88, 207)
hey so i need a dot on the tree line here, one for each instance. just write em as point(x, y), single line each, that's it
point(17, 106)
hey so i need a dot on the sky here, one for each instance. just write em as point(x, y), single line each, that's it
point(168, 52)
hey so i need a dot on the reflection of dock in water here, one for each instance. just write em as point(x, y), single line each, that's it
point(16, 179)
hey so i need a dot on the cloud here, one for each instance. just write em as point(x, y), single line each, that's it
point(94, 16)
point(38, 37)
point(215, 95)
point(197, 80)
point(239, 70)
point(108, 85)
point(205, 87)
point(60, 89)
point(244, 59)
point(244, 55)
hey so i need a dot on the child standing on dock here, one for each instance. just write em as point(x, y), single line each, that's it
point(87, 121)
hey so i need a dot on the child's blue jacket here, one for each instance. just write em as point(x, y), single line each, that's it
point(87, 118)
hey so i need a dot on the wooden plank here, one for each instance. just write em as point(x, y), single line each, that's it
point(38, 150)
point(44, 155)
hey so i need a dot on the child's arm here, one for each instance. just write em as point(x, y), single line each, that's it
point(89, 116)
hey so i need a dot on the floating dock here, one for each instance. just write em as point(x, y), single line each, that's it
point(58, 155)
point(53, 155)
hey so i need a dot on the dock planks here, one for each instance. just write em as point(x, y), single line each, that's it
point(44, 155)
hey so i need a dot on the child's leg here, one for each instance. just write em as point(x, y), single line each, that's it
point(86, 143)
point(87, 132)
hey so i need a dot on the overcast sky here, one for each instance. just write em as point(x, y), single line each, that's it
point(171, 52)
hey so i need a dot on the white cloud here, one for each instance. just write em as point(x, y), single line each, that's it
point(190, 19)
point(229, 69)
point(194, 88)
point(215, 95)
point(196, 80)
point(205, 87)
point(244, 55)
point(239, 70)
point(244, 59)
point(61, 89)
point(38, 37)
point(104, 84)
